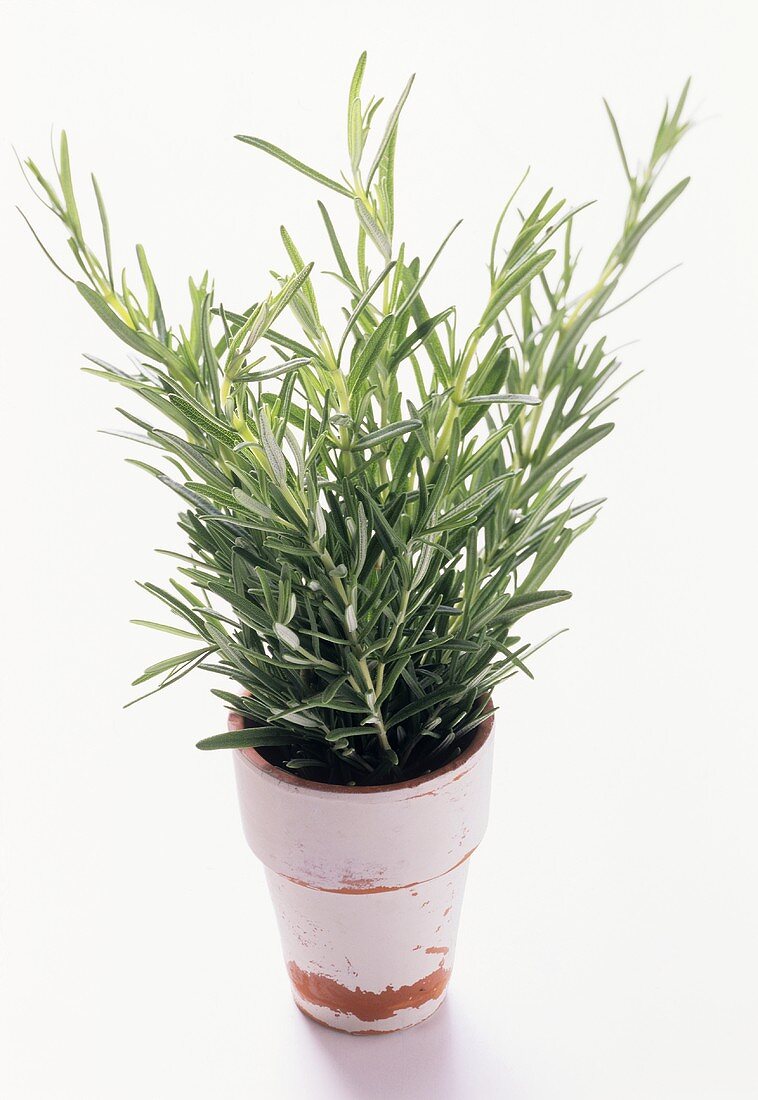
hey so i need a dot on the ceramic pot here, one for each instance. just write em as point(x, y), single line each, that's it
point(367, 882)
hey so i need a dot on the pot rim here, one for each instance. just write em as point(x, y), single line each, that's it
point(252, 758)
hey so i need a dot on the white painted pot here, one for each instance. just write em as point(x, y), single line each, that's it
point(367, 882)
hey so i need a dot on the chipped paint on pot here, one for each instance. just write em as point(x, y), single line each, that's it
point(367, 882)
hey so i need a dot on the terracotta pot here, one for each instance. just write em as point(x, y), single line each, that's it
point(367, 882)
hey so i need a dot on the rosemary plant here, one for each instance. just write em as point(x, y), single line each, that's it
point(370, 512)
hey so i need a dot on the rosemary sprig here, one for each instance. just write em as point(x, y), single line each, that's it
point(369, 512)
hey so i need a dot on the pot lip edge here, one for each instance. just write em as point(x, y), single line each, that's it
point(252, 759)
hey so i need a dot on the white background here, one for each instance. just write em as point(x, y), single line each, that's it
point(608, 947)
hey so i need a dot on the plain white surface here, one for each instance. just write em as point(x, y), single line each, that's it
point(608, 947)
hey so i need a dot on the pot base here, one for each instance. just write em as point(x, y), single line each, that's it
point(355, 1027)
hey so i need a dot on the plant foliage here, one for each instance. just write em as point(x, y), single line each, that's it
point(371, 511)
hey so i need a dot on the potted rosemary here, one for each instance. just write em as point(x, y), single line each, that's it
point(371, 510)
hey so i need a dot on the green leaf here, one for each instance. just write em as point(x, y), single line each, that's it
point(502, 399)
point(521, 604)
point(370, 352)
point(67, 187)
point(373, 229)
point(336, 246)
point(164, 628)
point(357, 80)
point(275, 151)
point(657, 211)
point(390, 131)
point(384, 435)
point(299, 265)
point(204, 421)
point(154, 308)
point(105, 226)
point(355, 121)
point(167, 664)
point(105, 313)
point(363, 301)
point(420, 335)
point(617, 139)
point(580, 442)
point(36, 236)
point(510, 287)
point(260, 737)
point(287, 294)
point(460, 514)
point(415, 290)
point(260, 374)
point(289, 637)
point(273, 451)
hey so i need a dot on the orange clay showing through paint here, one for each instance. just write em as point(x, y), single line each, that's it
point(318, 989)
